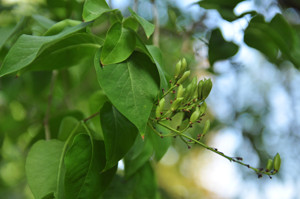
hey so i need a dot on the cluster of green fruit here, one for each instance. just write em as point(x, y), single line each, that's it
point(189, 99)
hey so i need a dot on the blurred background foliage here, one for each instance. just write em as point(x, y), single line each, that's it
point(254, 105)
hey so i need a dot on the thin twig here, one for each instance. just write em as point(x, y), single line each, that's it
point(50, 96)
point(90, 117)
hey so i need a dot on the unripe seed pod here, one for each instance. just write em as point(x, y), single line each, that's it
point(270, 165)
point(178, 69)
point(194, 88)
point(180, 91)
point(195, 115)
point(183, 66)
point(203, 108)
point(206, 127)
point(200, 86)
point(176, 103)
point(160, 107)
point(188, 92)
point(185, 75)
point(277, 162)
point(207, 85)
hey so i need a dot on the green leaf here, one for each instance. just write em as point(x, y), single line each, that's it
point(119, 134)
point(141, 185)
point(84, 162)
point(96, 101)
point(138, 155)
point(131, 87)
point(224, 7)
point(42, 166)
point(219, 49)
point(118, 45)
point(61, 26)
point(147, 26)
point(93, 9)
point(157, 58)
point(18, 58)
point(66, 127)
point(43, 21)
point(131, 23)
point(76, 49)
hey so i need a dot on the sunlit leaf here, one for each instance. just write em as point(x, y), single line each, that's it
point(93, 9)
point(147, 26)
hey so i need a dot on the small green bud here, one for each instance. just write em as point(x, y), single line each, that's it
point(203, 108)
point(185, 75)
point(269, 165)
point(206, 127)
point(195, 115)
point(160, 107)
point(277, 162)
point(178, 69)
point(194, 88)
point(176, 103)
point(207, 85)
point(183, 66)
point(200, 86)
point(180, 91)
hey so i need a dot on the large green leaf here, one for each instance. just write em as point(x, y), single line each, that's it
point(18, 58)
point(84, 163)
point(60, 26)
point(224, 7)
point(147, 26)
point(66, 127)
point(131, 86)
point(218, 48)
point(140, 185)
point(119, 134)
point(76, 49)
point(42, 166)
point(93, 9)
point(138, 155)
point(118, 45)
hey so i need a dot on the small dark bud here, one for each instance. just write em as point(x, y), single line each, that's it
point(270, 177)
point(239, 158)
point(198, 121)
point(163, 90)
point(177, 85)
point(161, 137)
point(189, 147)
point(188, 104)
point(161, 113)
point(248, 165)
point(261, 169)
point(177, 127)
point(173, 91)
point(259, 176)
point(171, 101)
point(170, 119)
point(174, 136)
point(170, 81)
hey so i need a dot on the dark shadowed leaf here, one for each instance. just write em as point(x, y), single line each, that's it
point(119, 134)
point(84, 163)
point(224, 7)
point(219, 49)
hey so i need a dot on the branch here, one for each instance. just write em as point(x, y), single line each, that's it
point(156, 23)
point(50, 96)
point(90, 117)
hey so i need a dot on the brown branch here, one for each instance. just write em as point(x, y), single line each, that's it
point(90, 117)
point(47, 115)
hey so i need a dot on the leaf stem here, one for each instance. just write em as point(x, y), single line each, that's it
point(91, 116)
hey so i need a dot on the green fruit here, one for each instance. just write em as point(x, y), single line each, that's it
point(206, 127)
point(160, 107)
point(200, 86)
point(277, 162)
point(176, 103)
point(183, 66)
point(178, 69)
point(269, 165)
point(185, 75)
point(203, 108)
point(195, 115)
point(180, 91)
point(207, 85)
